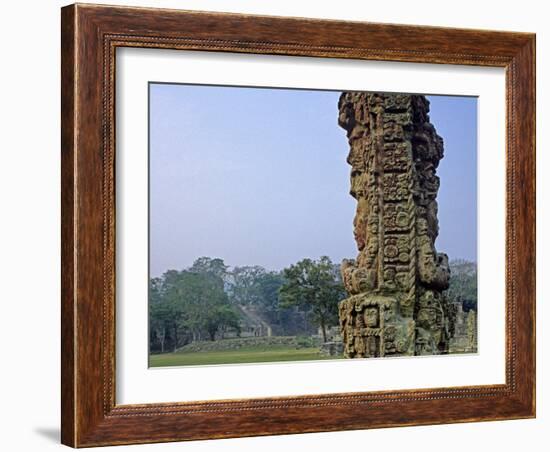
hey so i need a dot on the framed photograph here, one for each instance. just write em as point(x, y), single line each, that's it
point(282, 225)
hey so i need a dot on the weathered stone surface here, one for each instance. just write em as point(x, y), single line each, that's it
point(396, 306)
point(464, 329)
point(332, 348)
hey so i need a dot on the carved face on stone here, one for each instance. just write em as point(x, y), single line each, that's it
point(427, 317)
point(346, 117)
point(431, 181)
point(430, 315)
point(394, 154)
point(422, 226)
point(357, 182)
point(359, 231)
point(359, 223)
point(371, 317)
point(423, 343)
point(443, 262)
point(372, 246)
point(360, 280)
point(373, 226)
point(433, 222)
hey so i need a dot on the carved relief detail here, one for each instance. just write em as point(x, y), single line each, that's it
point(395, 283)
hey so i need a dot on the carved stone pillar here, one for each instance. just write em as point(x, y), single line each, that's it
point(395, 305)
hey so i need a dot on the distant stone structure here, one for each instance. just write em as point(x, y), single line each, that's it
point(331, 348)
point(395, 305)
point(464, 329)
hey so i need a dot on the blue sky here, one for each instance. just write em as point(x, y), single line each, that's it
point(259, 176)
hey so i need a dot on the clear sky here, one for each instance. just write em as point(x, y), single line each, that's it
point(259, 176)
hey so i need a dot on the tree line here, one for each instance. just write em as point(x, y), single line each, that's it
point(463, 284)
point(203, 301)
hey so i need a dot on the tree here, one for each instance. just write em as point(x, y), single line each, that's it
point(314, 285)
point(253, 285)
point(219, 318)
point(269, 284)
point(189, 304)
point(159, 316)
point(463, 283)
point(213, 267)
point(244, 288)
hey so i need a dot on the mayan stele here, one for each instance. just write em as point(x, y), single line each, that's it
point(304, 225)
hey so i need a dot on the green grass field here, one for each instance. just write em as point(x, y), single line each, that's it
point(239, 356)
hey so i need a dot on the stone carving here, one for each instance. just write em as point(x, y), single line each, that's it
point(463, 326)
point(471, 325)
point(395, 304)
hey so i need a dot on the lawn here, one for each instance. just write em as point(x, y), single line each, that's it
point(239, 356)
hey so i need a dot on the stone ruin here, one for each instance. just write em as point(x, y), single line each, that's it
point(464, 328)
point(395, 305)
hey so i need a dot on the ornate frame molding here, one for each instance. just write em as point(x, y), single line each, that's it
point(90, 36)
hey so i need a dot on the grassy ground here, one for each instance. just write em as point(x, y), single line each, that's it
point(242, 355)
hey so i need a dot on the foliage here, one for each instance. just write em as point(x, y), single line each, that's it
point(161, 317)
point(269, 284)
point(316, 286)
point(255, 286)
point(244, 286)
point(186, 305)
point(304, 342)
point(209, 301)
point(463, 283)
point(212, 266)
point(219, 318)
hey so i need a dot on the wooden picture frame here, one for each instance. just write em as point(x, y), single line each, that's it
point(90, 36)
